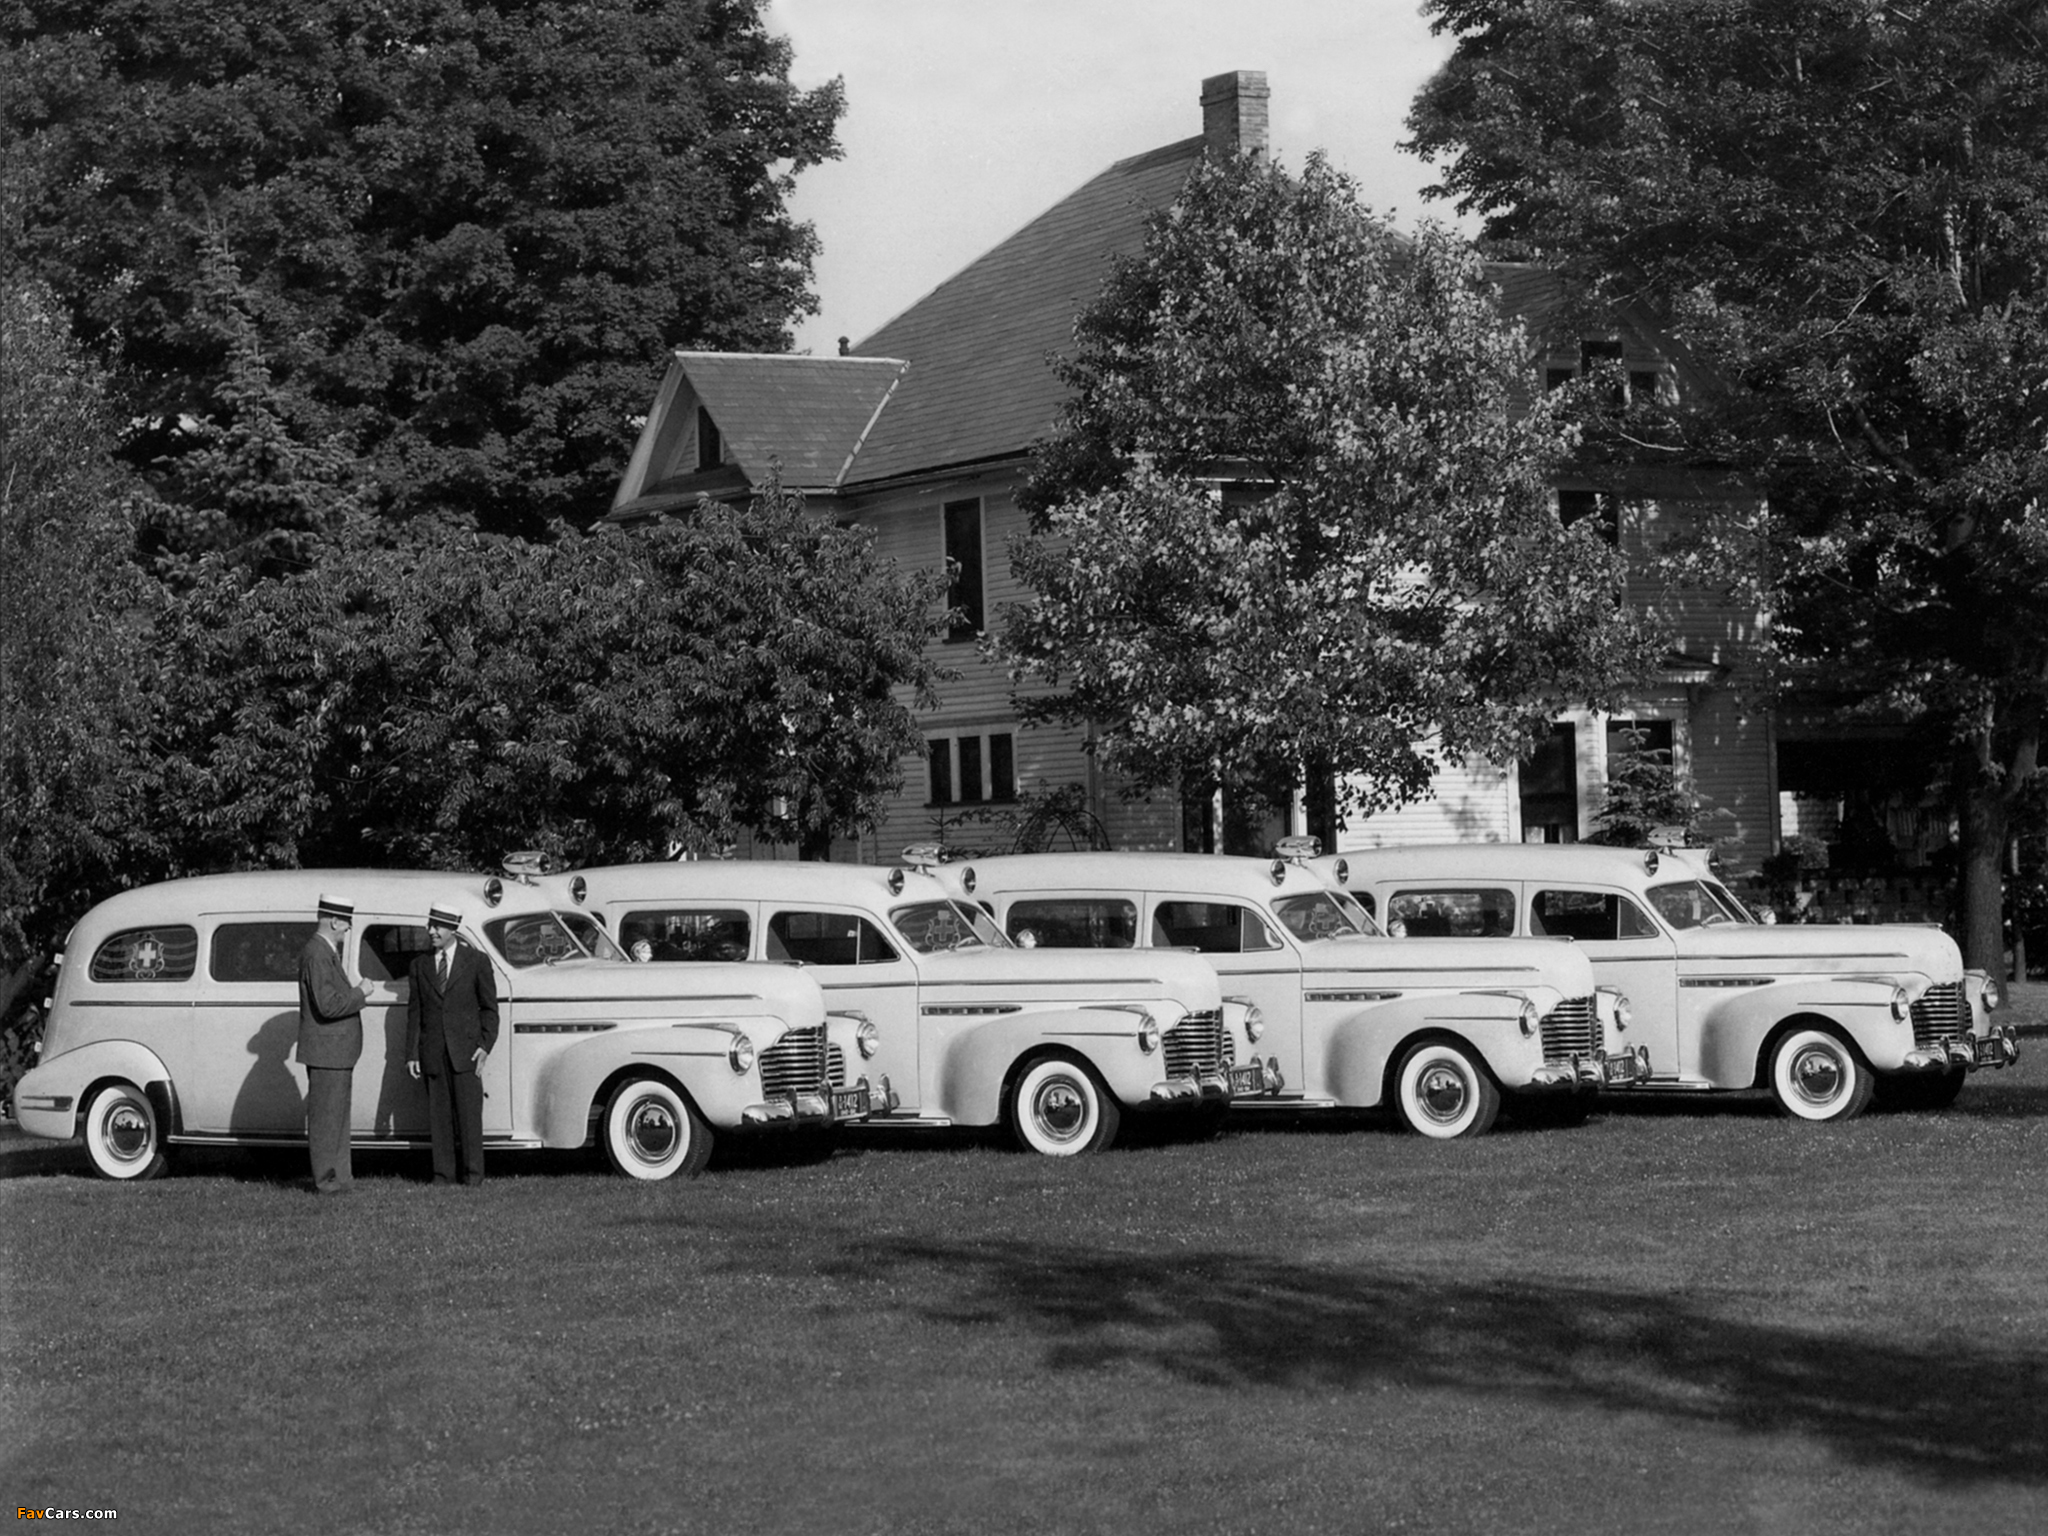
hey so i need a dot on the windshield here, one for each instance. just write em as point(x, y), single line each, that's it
point(1731, 901)
point(1320, 915)
point(931, 926)
point(591, 935)
point(533, 938)
point(1689, 904)
point(1359, 914)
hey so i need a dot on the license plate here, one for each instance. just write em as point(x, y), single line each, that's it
point(1990, 1052)
point(849, 1103)
point(1621, 1069)
point(1247, 1079)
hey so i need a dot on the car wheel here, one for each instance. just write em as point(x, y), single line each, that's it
point(122, 1137)
point(1059, 1108)
point(1816, 1076)
point(650, 1132)
point(1441, 1092)
point(1919, 1091)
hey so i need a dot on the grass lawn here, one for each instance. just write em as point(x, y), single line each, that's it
point(1682, 1317)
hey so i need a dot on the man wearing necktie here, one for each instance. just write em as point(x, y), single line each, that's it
point(451, 1025)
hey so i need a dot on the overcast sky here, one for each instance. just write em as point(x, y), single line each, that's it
point(965, 119)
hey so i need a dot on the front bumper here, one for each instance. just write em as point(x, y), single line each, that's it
point(1578, 1074)
point(1998, 1047)
point(1219, 1085)
point(820, 1109)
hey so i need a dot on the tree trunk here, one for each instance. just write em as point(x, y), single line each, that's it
point(1319, 801)
point(1983, 817)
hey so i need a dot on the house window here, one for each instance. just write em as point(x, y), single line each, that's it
point(1576, 506)
point(710, 451)
point(969, 770)
point(1550, 789)
point(1651, 738)
point(964, 569)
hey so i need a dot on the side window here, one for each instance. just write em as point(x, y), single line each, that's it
point(258, 951)
point(1211, 928)
point(1591, 915)
point(170, 953)
point(1104, 922)
point(1477, 913)
point(826, 938)
point(389, 949)
point(707, 933)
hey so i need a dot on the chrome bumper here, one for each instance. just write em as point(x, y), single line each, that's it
point(1579, 1073)
point(2000, 1047)
point(1219, 1087)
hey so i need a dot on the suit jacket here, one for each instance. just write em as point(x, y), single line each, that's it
point(330, 1009)
point(445, 1026)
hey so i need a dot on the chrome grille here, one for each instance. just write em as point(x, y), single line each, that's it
point(836, 1065)
point(795, 1063)
point(1940, 1015)
point(1197, 1044)
point(1572, 1028)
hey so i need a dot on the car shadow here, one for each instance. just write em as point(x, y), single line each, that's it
point(1945, 1408)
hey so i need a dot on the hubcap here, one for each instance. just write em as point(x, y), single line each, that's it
point(1442, 1093)
point(1817, 1075)
point(651, 1130)
point(127, 1132)
point(1059, 1110)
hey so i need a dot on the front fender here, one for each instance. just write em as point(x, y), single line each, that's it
point(1735, 1027)
point(569, 1085)
point(1360, 1047)
point(48, 1097)
point(975, 1061)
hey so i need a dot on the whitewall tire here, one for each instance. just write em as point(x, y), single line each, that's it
point(650, 1132)
point(122, 1136)
point(1443, 1092)
point(1060, 1109)
point(1815, 1075)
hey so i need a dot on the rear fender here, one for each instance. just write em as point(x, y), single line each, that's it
point(49, 1097)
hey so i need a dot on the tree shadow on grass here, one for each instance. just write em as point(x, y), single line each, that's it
point(1944, 1410)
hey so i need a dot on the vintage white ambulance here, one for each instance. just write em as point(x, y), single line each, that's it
point(1346, 1016)
point(175, 1021)
point(956, 1026)
point(1825, 1017)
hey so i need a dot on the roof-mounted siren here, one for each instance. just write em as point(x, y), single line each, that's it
point(1293, 850)
point(922, 857)
point(525, 866)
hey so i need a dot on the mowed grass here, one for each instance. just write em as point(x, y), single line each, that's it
point(1681, 1317)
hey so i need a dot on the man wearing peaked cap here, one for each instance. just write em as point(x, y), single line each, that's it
point(451, 1025)
point(330, 1041)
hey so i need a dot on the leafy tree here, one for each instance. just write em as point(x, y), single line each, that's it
point(73, 616)
point(1294, 524)
point(1843, 204)
point(469, 229)
point(436, 697)
point(1644, 793)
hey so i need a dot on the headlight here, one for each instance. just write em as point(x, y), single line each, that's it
point(1994, 999)
point(1624, 1015)
point(868, 1038)
point(740, 1054)
point(1529, 1018)
point(1902, 1007)
point(1254, 1023)
point(1148, 1035)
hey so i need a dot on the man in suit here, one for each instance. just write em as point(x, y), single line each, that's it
point(451, 1024)
point(330, 1041)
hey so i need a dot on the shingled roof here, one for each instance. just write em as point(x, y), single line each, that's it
point(980, 384)
point(808, 413)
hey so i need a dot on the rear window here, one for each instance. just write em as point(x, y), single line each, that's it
point(1589, 915)
point(1078, 923)
point(168, 953)
point(687, 933)
point(1211, 928)
point(266, 951)
point(1479, 912)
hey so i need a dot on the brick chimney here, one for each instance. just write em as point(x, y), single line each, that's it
point(1234, 114)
